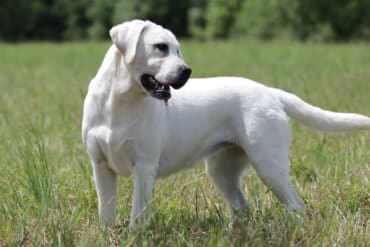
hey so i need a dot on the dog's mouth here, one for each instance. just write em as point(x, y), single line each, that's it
point(155, 88)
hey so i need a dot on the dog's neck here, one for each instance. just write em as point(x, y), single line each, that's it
point(114, 85)
point(113, 79)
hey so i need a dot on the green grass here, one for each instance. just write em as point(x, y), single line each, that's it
point(47, 195)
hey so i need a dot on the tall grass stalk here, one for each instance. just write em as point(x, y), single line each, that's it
point(37, 171)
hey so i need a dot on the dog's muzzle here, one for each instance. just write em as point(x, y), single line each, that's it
point(161, 90)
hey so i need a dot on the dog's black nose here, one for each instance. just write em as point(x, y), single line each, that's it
point(183, 78)
point(186, 73)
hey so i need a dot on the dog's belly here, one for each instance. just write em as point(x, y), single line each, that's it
point(190, 151)
point(170, 165)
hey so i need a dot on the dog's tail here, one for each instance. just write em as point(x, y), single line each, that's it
point(320, 119)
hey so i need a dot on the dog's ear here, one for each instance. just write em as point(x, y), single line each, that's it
point(125, 37)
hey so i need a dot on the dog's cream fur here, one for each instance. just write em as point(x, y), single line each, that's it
point(231, 123)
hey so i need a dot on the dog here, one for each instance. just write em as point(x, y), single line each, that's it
point(137, 121)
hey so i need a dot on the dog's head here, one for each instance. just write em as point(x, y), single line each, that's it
point(152, 56)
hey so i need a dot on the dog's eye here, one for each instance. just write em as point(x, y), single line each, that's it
point(162, 47)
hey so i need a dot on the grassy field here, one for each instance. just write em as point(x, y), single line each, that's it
point(47, 195)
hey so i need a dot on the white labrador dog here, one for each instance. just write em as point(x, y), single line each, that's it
point(134, 123)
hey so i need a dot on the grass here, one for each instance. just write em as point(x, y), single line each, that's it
point(47, 195)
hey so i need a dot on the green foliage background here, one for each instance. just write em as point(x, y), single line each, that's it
point(318, 20)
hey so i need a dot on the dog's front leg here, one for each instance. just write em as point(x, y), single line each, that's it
point(144, 178)
point(105, 182)
point(106, 187)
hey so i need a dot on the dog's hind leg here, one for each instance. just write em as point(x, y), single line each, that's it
point(267, 144)
point(274, 172)
point(226, 168)
point(271, 162)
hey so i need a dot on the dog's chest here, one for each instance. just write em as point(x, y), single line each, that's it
point(118, 151)
point(122, 158)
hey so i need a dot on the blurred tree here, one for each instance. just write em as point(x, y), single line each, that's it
point(172, 14)
point(75, 16)
point(126, 10)
point(15, 19)
point(100, 13)
point(23, 19)
point(341, 19)
point(220, 17)
point(197, 18)
point(71, 20)
point(264, 19)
